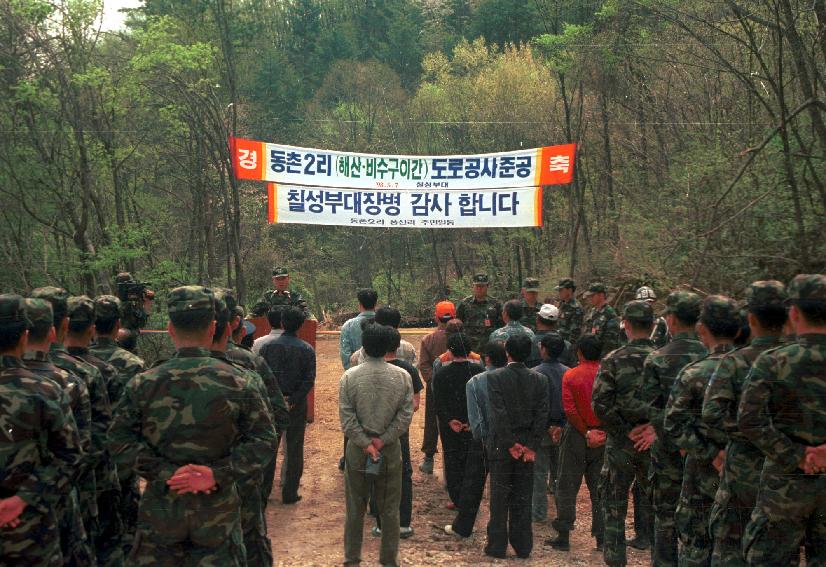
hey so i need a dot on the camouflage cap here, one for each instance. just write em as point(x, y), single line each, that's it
point(123, 277)
point(481, 278)
point(808, 287)
point(107, 307)
point(566, 283)
point(531, 284)
point(81, 309)
point(39, 311)
point(720, 307)
point(762, 293)
point(638, 310)
point(596, 287)
point(191, 298)
point(13, 311)
point(280, 272)
point(683, 304)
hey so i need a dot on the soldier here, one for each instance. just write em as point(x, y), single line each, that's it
point(618, 405)
point(660, 335)
point(530, 303)
point(511, 315)
point(718, 325)
point(602, 321)
point(107, 326)
point(479, 312)
point(782, 412)
point(282, 294)
point(571, 314)
point(39, 448)
point(742, 461)
point(254, 527)
point(191, 444)
point(75, 543)
point(659, 373)
point(102, 476)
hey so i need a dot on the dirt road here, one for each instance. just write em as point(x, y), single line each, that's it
point(311, 532)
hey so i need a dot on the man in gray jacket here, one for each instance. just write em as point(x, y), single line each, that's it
point(375, 408)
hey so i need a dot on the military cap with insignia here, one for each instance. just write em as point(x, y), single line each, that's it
point(280, 272)
point(596, 287)
point(191, 298)
point(481, 278)
point(13, 312)
point(566, 283)
point(531, 284)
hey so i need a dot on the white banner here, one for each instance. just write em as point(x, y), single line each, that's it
point(507, 207)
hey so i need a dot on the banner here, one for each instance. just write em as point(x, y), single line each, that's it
point(511, 207)
point(261, 161)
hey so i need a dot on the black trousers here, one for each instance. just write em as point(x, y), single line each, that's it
point(406, 502)
point(511, 492)
point(576, 461)
point(473, 487)
point(431, 425)
point(455, 448)
point(294, 461)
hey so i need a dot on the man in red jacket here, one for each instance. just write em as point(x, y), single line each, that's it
point(583, 445)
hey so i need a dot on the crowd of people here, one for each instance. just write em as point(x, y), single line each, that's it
point(710, 417)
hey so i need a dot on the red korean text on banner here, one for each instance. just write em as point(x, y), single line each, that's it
point(557, 164)
point(247, 158)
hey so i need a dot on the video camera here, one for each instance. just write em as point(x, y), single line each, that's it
point(132, 295)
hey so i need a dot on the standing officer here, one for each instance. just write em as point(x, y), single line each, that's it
point(571, 314)
point(193, 427)
point(719, 324)
point(602, 320)
point(617, 404)
point(782, 411)
point(282, 294)
point(479, 312)
point(530, 303)
point(660, 334)
point(661, 369)
point(39, 449)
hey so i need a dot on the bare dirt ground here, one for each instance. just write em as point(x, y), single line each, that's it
point(311, 532)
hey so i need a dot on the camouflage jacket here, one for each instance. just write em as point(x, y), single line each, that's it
point(39, 444)
point(126, 363)
point(192, 409)
point(605, 324)
point(274, 297)
point(529, 314)
point(616, 397)
point(479, 318)
point(660, 371)
point(781, 409)
point(512, 329)
point(683, 410)
point(724, 389)
point(571, 319)
point(105, 475)
point(78, 395)
point(660, 335)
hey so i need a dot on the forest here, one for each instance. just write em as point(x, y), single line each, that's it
point(700, 124)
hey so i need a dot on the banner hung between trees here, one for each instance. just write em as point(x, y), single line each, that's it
point(261, 161)
point(431, 208)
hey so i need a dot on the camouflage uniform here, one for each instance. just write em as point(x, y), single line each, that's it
point(660, 335)
point(512, 329)
point(571, 315)
point(75, 544)
point(684, 425)
point(479, 317)
point(659, 373)
point(39, 450)
point(603, 322)
point(274, 298)
point(737, 494)
point(108, 539)
point(128, 366)
point(165, 422)
point(529, 312)
point(617, 403)
point(782, 412)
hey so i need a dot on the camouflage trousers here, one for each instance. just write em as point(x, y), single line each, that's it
point(108, 538)
point(253, 523)
point(666, 480)
point(700, 483)
point(188, 530)
point(130, 497)
point(623, 464)
point(734, 503)
point(35, 542)
point(790, 508)
point(75, 544)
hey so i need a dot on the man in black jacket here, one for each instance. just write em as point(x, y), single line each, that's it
point(519, 415)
